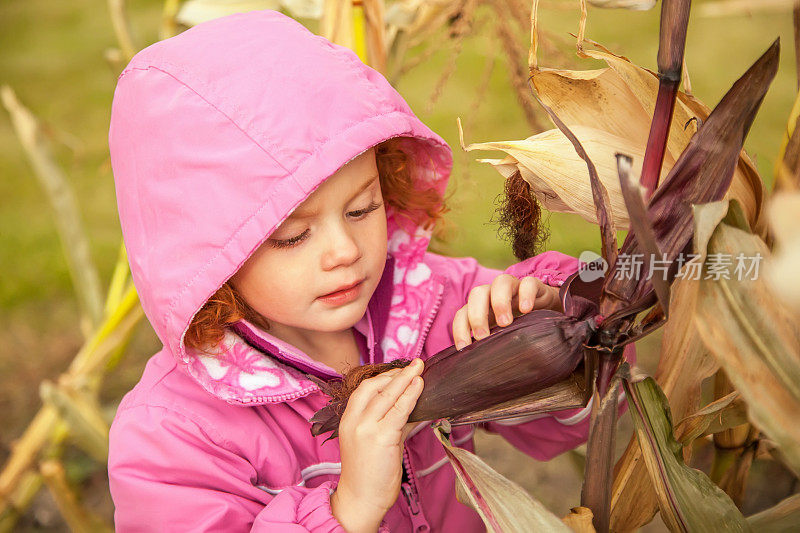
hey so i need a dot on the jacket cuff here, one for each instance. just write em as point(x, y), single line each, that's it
point(552, 268)
point(314, 510)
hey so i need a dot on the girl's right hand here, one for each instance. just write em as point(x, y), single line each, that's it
point(372, 431)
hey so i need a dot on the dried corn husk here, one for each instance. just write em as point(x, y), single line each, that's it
point(753, 336)
point(609, 110)
point(558, 176)
point(539, 350)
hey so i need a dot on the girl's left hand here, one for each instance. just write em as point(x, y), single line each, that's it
point(504, 293)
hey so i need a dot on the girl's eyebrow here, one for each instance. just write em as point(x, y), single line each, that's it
point(309, 214)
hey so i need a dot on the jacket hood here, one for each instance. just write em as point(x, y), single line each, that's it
point(217, 134)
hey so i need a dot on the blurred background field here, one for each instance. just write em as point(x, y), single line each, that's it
point(52, 56)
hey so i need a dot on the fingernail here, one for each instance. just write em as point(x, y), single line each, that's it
point(460, 344)
point(481, 333)
point(526, 304)
point(504, 320)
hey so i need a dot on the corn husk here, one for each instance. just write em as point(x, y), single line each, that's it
point(558, 176)
point(537, 351)
point(609, 110)
point(503, 505)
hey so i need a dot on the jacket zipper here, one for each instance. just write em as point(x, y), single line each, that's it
point(418, 519)
point(409, 488)
point(429, 321)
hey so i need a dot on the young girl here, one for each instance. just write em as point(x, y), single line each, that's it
point(276, 198)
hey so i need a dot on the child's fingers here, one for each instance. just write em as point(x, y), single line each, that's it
point(478, 310)
point(461, 333)
point(367, 389)
point(528, 289)
point(503, 289)
point(385, 399)
point(397, 415)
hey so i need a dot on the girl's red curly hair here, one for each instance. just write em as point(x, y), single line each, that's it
point(424, 208)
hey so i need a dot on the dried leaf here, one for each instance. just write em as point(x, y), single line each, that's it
point(620, 100)
point(688, 500)
point(559, 178)
point(785, 516)
point(602, 204)
point(82, 413)
point(596, 490)
point(727, 412)
point(787, 165)
point(754, 338)
point(502, 504)
point(579, 520)
point(61, 197)
point(336, 23)
point(634, 193)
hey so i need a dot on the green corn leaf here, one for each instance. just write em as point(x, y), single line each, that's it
point(687, 498)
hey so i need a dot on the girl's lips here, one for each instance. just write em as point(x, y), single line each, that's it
point(343, 296)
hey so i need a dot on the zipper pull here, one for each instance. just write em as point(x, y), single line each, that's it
point(418, 519)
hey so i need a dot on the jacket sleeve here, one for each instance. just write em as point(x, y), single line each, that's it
point(167, 474)
point(542, 436)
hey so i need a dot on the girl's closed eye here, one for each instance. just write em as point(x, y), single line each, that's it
point(362, 212)
point(359, 214)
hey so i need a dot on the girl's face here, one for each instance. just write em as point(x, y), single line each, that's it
point(335, 238)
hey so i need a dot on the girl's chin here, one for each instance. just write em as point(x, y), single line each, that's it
point(339, 318)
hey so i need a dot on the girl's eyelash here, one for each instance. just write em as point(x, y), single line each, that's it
point(370, 208)
point(289, 242)
point(286, 243)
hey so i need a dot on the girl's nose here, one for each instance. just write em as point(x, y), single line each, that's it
point(341, 248)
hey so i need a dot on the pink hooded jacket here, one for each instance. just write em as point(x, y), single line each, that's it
point(216, 135)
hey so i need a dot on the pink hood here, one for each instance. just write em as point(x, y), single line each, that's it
point(213, 148)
